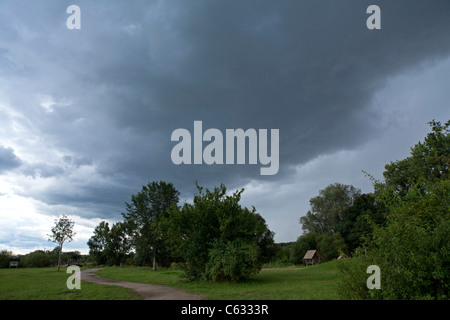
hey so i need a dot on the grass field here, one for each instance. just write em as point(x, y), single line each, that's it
point(317, 282)
point(49, 284)
point(312, 283)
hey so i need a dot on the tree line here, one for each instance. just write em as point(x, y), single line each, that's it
point(339, 220)
point(213, 238)
point(41, 258)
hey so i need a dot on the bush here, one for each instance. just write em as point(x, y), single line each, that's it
point(353, 277)
point(39, 259)
point(177, 266)
point(216, 237)
point(233, 261)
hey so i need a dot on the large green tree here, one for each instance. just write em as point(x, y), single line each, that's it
point(109, 245)
point(429, 162)
point(359, 220)
point(328, 208)
point(142, 218)
point(217, 238)
point(99, 242)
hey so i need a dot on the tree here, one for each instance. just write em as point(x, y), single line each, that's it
point(118, 245)
point(359, 220)
point(330, 246)
point(109, 245)
point(217, 238)
point(328, 208)
point(412, 247)
point(62, 231)
point(99, 242)
point(142, 219)
point(266, 242)
point(305, 242)
point(5, 255)
point(429, 162)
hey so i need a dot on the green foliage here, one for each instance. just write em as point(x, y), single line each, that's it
point(412, 248)
point(328, 208)
point(98, 242)
point(218, 239)
point(429, 162)
point(5, 255)
point(234, 261)
point(142, 219)
point(47, 258)
point(39, 259)
point(329, 246)
point(352, 278)
point(360, 219)
point(109, 246)
point(62, 232)
point(305, 242)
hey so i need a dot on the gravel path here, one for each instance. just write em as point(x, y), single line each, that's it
point(146, 291)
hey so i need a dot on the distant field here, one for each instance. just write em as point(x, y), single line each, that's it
point(281, 283)
point(285, 283)
point(49, 284)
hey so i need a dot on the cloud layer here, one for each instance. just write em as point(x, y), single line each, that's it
point(86, 115)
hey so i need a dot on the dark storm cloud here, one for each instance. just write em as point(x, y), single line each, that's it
point(8, 160)
point(137, 71)
point(307, 68)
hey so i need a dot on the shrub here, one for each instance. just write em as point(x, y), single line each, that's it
point(216, 237)
point(233, 261)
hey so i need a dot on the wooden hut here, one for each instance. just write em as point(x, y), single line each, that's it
point(312, 257)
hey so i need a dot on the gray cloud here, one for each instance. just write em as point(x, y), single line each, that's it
point(42, 170)
point(8, 160)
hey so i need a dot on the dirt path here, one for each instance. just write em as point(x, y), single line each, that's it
point(146, 291)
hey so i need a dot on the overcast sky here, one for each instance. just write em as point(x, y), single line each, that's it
point(86, 116)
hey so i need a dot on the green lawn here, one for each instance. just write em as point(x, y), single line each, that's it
point(285, 283)
point(314, 282)
point(49, 284)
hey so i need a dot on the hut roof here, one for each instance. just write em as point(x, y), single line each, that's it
point(310, 254)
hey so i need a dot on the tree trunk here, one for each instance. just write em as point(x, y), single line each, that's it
point(59, 257)
point(154, 260)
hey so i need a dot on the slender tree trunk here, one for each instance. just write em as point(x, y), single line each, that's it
point(59, 257)
point(154, 260)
